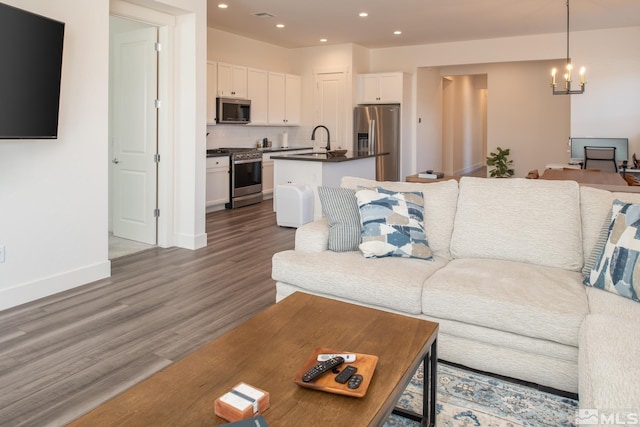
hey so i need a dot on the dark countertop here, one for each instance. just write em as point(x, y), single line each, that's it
point(323, 157)
point(214, 153)
point(280, 150)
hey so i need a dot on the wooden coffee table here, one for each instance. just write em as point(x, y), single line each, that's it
point(267, 351)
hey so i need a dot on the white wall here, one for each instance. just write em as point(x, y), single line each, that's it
point(610, 106)
point(234, 49)
point(429, 119)
point(53, 193)
point(533, 123)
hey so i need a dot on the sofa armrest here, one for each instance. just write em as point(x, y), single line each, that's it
point(313, 236)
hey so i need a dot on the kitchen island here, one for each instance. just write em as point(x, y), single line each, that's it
point(321, 169)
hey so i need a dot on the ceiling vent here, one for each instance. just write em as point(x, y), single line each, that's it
point(263, 15)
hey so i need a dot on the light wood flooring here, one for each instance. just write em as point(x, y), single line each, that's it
point(65, 354)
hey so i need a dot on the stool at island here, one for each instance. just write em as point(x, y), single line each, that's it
point(294, 205)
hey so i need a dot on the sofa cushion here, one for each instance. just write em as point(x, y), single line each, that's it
point(392, 224)
point(618, 266)
point(394, 283)
point(340, 207)
point(612, 305)
point(526, 299)
point(440, 199)
point(527, 220)
point(609, 372)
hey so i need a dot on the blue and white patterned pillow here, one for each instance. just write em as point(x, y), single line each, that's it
point(392, 224)
point(618, 268)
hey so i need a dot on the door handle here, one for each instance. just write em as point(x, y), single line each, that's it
point(115, 160)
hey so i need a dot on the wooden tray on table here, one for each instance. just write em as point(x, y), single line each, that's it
point(366, 364)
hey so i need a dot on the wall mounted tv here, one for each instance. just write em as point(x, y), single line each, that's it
point(621, 145)
point(30, 71)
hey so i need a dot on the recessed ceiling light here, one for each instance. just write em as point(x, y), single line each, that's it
point(363, 14)
point(222, 6)
point(280, 25)
point(323, 40)
point(397, 33)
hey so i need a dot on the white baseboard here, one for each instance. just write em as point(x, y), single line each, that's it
point(191, 241)
point(41, 288)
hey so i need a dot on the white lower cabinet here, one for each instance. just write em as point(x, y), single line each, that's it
point(217, 182)
point(267, 176)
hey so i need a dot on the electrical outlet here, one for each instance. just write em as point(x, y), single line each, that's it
point(1, 253)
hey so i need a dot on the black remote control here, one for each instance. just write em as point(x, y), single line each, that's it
point(346, 373)
point(355, 381)
point(321, 368)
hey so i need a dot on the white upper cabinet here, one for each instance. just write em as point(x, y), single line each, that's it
point(380, 88)
point(212, 90)
point(293, 99)
point(284, 99)
point(258, 93)
point(232, 80)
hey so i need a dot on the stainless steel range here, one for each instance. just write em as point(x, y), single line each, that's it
point(245, 180)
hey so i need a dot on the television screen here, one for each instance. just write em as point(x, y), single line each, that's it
point(621, 145)
point(30, 70)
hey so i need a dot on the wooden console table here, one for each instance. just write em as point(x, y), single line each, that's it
point(414, 178)
point(584, 176)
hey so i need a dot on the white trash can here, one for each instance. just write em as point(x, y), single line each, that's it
point(294, 205)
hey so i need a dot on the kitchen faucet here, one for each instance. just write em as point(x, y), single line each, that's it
point(313, 136)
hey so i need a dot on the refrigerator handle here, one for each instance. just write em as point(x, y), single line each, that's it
point(372, 137)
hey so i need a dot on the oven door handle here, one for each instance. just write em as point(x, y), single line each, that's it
point(245, 161)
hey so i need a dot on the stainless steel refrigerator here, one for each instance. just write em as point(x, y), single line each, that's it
point(376, 129)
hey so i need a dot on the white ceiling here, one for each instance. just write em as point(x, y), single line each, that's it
point(421, 21)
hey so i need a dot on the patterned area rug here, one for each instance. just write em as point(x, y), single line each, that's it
point(469, 399)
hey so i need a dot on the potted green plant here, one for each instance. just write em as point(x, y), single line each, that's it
point(501, 164)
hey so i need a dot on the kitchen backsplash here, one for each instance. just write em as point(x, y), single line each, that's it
point(248, 136)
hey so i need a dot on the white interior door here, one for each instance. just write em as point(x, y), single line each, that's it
point(134, 135)
point(330, 108)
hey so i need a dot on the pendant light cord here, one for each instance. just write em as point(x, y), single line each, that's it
point(568, 59)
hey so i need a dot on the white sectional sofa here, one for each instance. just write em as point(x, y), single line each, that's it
point(505, 283)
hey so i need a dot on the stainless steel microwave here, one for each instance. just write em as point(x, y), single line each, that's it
point(233, 110)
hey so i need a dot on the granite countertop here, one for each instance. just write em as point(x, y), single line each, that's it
point(323, 157)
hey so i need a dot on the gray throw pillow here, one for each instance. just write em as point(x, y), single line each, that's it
point(340, 207)
point(599, 246)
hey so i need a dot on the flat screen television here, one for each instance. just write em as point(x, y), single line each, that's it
point(578, 144)
point(30, 71)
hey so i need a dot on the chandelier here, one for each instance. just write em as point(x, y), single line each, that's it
point(567, 75)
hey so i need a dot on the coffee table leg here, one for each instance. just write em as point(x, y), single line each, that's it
point(429, 403)
point(429, 390)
